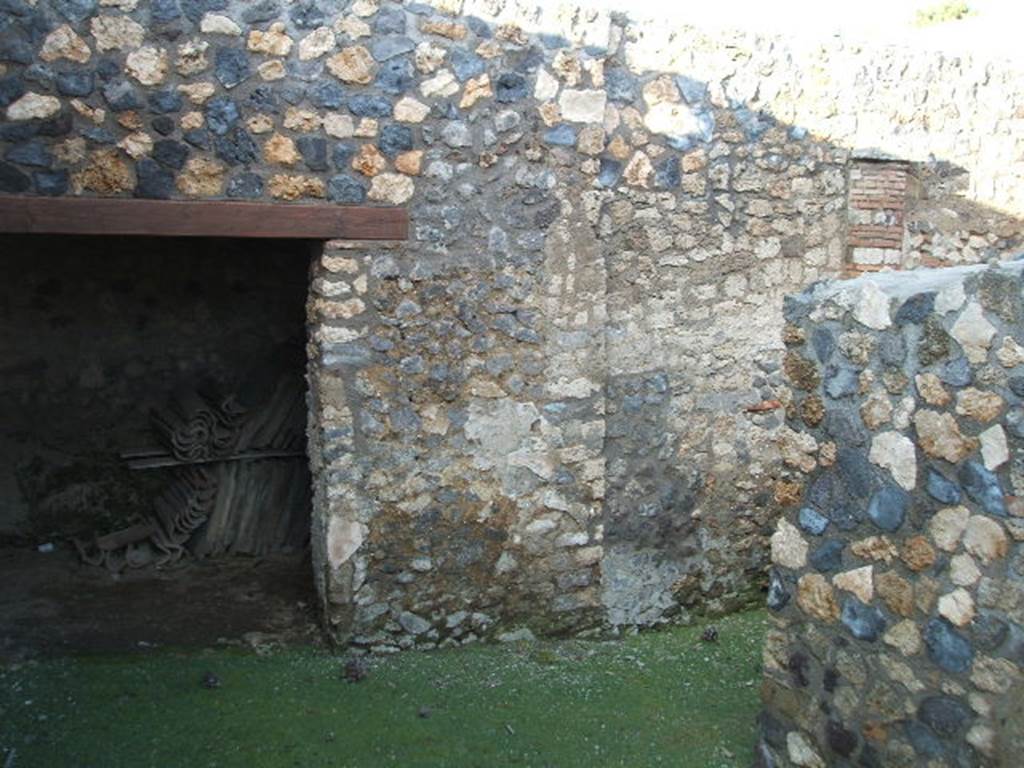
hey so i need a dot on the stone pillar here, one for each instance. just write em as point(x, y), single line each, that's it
point(896, 590)
point(338, 319)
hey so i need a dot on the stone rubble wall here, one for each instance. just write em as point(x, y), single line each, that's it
point(897, 586)
point(559, 403)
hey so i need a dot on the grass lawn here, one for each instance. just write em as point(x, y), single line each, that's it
point(660, 698)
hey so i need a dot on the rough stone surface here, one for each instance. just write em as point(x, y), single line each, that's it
point(940, 436)
point(64, 43)
point(560, 404)
point(353, 64)
point(936, 476)
point(789, 549)
point(896, 453)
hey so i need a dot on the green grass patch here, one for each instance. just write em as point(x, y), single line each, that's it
point(659, 698)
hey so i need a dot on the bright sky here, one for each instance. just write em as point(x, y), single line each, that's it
point(995, 27)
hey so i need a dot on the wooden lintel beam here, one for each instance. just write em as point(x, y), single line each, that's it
point(199, 218)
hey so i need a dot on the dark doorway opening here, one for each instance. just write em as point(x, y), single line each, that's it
point(154, 486)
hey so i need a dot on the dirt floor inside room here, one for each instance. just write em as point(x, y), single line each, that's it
point(153, 480)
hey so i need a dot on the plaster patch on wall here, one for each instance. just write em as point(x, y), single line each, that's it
point(344, 537)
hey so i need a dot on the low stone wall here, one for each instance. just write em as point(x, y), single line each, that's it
point(896, 590)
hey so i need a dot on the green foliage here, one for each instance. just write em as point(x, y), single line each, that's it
point(659, 698)
point(939, 13)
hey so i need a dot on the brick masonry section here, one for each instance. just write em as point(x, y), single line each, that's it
point(876, 214)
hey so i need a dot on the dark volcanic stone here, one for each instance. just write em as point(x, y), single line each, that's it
point(989, 632)
point(956, 373)
point(75, 11)
point(843, 517)
point(314, 152)
point(395, 76)
point(846, 427)
point(75, 83)
point(828, 557)
point(245, 185)
point(258, 13)
point(98, 134)
point(983, 487)
point(51, 182)
point(865, 622)
point(923, 740)
point(547, 215)
point(165, 101)
point(164, 11)
point(841, 740)
point(563, 135)
point(170, 153)
point(869, 757)
point(107, 70)
point(830, 679)
point(153, 180)
point(1015, 422)
point(621, 85)
point(11, 89)
point(342, 155)
point(609, 172)
point(292, 94)
point(823, 343)
point(812, 521)
point(231, 66)
point(825, 491)
point(16, 50)
point(390, 46)
point(327, 95)
point(263, 98)
point(1016, 385)
point(163, 125)
point(221, 114)
point(466, 65)
point(510, 87)
point(941, 489)
point(772, 730)
point(944, 715)
point(34, 153)
point(59, 125)
point(389, 21)
point(480, 28)
point(236, 148)
point(856, 472)
point(195, 9)
point(368, 105)
point(345, 189)
point(778, 594)
point(395, 139)
point(798, 665)
point(915, 309)
point(667, 174)
point(892, 349)
point(946, 647)
point(307, 15)
point(11, 179)
point(121, 95)
point(694, 91)
point(841, 382)
point(198, 137)
point(888, 508)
